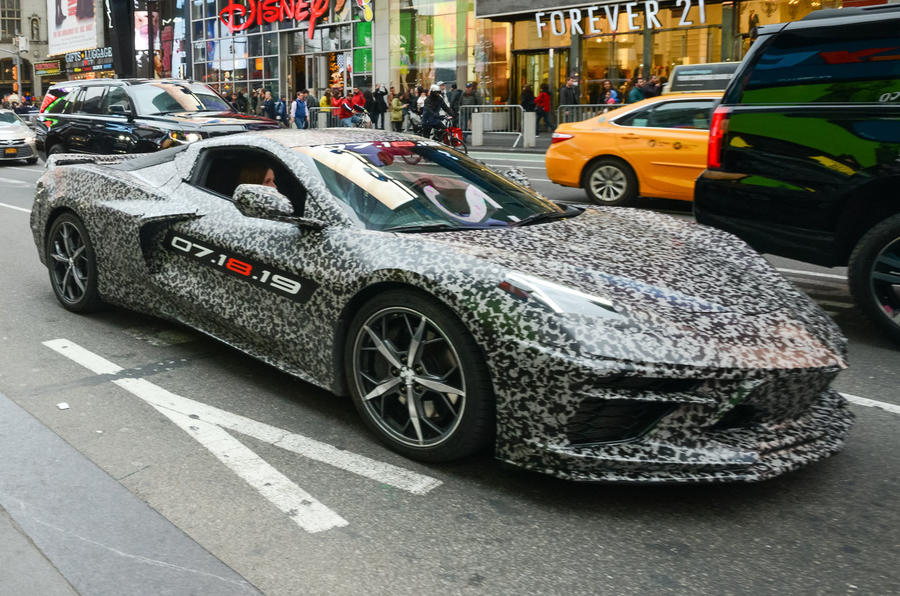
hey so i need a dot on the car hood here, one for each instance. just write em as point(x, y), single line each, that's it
point(637, 260)
point(14, 131)
point(678, 292)
point(214, 121)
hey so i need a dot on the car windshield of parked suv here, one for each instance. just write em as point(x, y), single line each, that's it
point(417, 187)
point(168, 98)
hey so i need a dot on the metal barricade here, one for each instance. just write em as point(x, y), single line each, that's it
point(503, 119)
point(583, 111)
point(314, 117)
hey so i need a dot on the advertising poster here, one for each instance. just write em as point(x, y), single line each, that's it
point(71, 25)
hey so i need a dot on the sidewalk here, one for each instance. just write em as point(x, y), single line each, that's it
point(68, 528)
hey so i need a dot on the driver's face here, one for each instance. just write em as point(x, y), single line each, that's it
point(269, 179)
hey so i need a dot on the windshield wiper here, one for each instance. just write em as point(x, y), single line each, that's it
point(426, 227)
point(547, 216)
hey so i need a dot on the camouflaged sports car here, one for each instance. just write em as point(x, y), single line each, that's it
point(457, 308)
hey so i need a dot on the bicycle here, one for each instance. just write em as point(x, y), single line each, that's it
point(451, 135)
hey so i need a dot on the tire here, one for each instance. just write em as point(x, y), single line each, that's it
point(874, 275)
point(449, 424)
point(610, 181)
point(72, 264)
point(55, 149)
point(31, 161)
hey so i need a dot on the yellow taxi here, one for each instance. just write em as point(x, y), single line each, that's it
point(651, 148)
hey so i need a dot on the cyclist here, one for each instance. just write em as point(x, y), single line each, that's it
point(431, 114)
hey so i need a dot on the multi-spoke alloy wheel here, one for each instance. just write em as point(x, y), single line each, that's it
point(418, 379)
point(70, 259)
point(874, 275)
point(610, 182)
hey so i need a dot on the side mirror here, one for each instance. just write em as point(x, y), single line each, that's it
point(265, 202)
point(118, 109)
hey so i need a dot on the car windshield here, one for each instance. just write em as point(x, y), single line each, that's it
point(168, 98)
point(420, 186)
point(7, 118)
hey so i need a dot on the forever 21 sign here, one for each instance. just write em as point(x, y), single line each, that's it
point(604, 18)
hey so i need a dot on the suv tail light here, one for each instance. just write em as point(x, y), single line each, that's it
point(559, 137)
point(717, 130)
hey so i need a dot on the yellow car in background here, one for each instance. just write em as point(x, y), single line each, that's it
point(651, 148)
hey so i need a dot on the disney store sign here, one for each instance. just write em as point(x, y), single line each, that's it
point(604, 18)
point(238, 16)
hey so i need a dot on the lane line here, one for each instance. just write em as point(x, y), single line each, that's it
point(15, 182)
point(361, 465)
point(35, 170)
point(306, 511)
point(8, 206)
point(871, 403)
point(812, 273)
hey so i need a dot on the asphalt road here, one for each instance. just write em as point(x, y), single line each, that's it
point(472, 527)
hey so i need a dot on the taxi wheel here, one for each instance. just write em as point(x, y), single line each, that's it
point(610, 181)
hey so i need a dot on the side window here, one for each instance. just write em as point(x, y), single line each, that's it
point(115, 101)
point(849, 64)
point(681, 114)
point(221, 171)
point(93, 95)
point(636, 118)
point(62, 100)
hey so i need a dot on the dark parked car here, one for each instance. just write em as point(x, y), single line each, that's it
point(134, 116)
point(804, 150)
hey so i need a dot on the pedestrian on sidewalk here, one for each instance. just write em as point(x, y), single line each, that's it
point(542, 109)
point(568, 96)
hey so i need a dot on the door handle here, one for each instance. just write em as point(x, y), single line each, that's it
point(630, 137)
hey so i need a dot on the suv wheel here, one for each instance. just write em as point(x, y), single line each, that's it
point(874, 275)
point(55, 149)
point(610, 181)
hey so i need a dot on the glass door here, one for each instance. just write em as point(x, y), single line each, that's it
point(539, 68)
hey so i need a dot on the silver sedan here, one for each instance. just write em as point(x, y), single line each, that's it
point(16, 138)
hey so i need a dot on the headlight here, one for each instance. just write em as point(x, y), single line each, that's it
point(555, 297)
point(185, 137)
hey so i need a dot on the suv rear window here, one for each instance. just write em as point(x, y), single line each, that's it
point(850, 64)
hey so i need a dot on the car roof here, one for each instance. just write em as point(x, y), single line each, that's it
point(670, 96)
point(293, 137)
point(836, 17)
point(129, 82)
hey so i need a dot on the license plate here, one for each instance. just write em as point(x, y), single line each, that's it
point(10, 151)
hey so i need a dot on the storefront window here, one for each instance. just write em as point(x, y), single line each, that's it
point(440, 40)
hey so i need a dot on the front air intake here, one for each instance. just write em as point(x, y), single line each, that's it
point(614, 420)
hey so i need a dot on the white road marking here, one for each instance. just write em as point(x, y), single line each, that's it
point(206, 423)
point(813, 273)
point(486, 156)
point(871, 403)
point(14, 182)
point(307, 512)
point(14, 207)
point(33, 170)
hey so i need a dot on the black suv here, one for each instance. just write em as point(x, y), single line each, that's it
point(804, 150)
point(134, 116)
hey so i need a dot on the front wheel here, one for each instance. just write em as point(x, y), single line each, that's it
point(874, 275)
point(73, 265)
point(610, 182)
point(418, 378)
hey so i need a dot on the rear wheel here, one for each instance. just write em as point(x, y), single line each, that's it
point(418, 379)
point(56, 149)
point(72, 264)
point(874, 275)
point(610, 181)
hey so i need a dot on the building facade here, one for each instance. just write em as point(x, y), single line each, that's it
point(285, 45)
point(25, 19)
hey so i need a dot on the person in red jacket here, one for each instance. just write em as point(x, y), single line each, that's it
point(358, 98)
point(346, 110)
point(542, 108)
